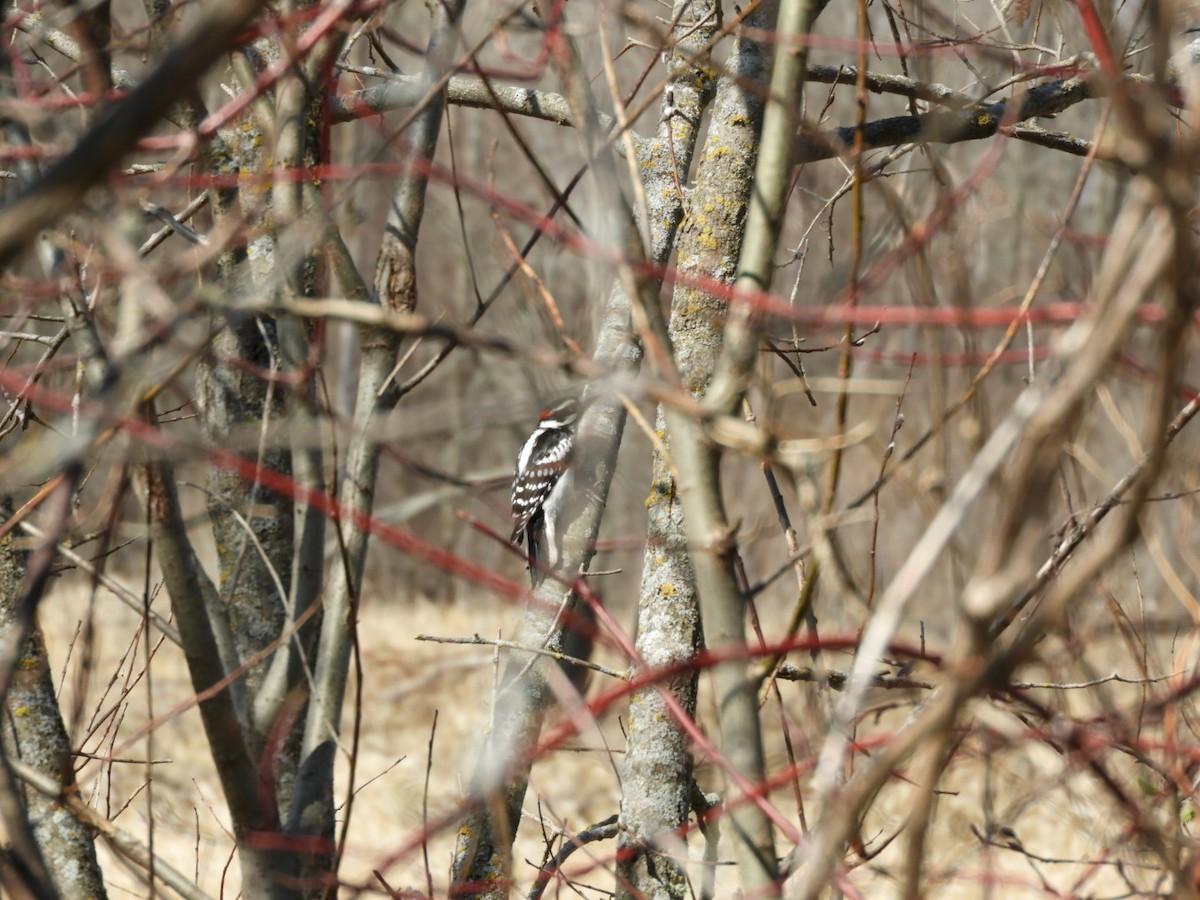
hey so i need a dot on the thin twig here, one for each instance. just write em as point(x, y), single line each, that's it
point(122, 843)
point(478, 640)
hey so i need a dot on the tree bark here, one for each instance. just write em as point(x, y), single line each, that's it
point(33, 733)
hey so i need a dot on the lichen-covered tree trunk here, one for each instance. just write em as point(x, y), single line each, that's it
point(270, 548)
point(253, 527)
point(657, 773)
point(697, 455)
point(687, 512)
point(33, 732)
point(658, 781)
point(481, 866)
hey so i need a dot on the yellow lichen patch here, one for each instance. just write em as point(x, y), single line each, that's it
point(29, 662)
point(22, 711)
point(667, 590)
point(658, 490)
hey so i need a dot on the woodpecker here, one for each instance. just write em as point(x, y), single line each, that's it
point(540, 483)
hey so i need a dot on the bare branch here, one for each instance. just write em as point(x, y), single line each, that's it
point(121, 841)
point(64, 184)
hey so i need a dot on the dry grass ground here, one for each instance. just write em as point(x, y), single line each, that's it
point(405, 683)
point(1000, 778)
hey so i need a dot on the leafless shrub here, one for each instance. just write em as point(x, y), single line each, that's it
point(891, 307)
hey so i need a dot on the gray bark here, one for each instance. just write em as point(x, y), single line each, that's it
point(33, 733)
point(234, 397)
point(697, 456)
point(481, 865)
point(657, 774)
point(192, 596)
